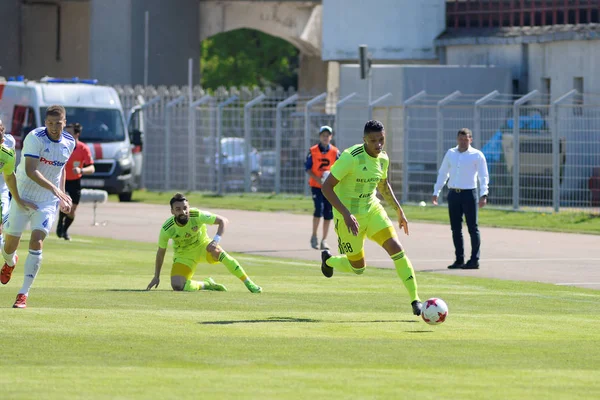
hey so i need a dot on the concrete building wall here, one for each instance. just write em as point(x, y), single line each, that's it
point(562, 62)
point(9, 38)
point(509, 55)
point(110, 41)
point(55, 39)
point(393, 29)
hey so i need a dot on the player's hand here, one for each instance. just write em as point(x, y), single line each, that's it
point(212, 246)
point(76, 170)
point(154, 283)
point(352, 224)
point(27, 204)
point(403, 222)
point(434, 200)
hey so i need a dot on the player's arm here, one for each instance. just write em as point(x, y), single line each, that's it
point(385, 189)
point(308, 167)
point(221, 222)
point(88, 163)
point(332, 197)
point(158, 263)
point(11, 182)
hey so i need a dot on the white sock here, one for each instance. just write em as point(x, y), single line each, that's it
point(32, 267)
point(9, 258)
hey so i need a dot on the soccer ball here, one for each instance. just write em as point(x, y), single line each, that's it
point(434, 311)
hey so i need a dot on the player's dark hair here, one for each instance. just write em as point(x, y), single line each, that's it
point(465, 131)
point(177, 197)
point(56, 111)
point(373, 126)
point(76, 128)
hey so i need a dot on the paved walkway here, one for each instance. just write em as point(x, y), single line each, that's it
point(560, 258)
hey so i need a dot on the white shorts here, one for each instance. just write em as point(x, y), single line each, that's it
point(41, 219)
point(5, 203)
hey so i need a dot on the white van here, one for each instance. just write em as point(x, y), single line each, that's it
point(97, 108)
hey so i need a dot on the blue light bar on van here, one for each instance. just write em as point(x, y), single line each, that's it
point(75, 79)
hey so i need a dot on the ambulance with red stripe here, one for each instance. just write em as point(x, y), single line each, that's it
point(115, 149)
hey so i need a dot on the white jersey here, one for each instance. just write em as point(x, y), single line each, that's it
point(53, 156)
point(9, 141)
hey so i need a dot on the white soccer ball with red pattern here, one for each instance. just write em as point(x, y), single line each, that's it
point(434, 311)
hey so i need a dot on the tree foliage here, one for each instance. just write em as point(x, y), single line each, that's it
point(247, 57)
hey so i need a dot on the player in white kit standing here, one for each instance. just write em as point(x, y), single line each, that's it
point(41, 181)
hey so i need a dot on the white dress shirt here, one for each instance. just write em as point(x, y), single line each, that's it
point(463, 169)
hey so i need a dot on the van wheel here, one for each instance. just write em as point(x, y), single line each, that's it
point(126, 196)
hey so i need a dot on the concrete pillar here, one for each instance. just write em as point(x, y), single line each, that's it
point(312, 74)
point(110, 41)
point(10, 40)
point(117, 41)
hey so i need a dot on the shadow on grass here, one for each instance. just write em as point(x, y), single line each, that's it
point(297, 320)
point(127, 290)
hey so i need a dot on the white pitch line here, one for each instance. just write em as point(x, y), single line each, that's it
point(498, 259)
point(577, 283)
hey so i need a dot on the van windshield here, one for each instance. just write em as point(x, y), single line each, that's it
point(99, 125)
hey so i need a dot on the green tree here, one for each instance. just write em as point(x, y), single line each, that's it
point(247, 57)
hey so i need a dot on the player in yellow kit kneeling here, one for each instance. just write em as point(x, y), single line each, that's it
point(187, 229)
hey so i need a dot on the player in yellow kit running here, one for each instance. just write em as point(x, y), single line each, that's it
point(357, 213)
point(187, 229)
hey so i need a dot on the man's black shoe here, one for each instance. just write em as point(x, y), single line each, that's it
point(456, 265)
point(59, 231)
point(416, 306)
point(471, 264)
point(326, 269)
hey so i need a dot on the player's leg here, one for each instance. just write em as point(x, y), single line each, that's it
point(350, 247)
point(381, 230)
point(42, 221)
point(13, 227)
point(73, 188)
point(181, 278)
point(455, 212)
point(317, 197)
point(233, 266)
point(471, 210)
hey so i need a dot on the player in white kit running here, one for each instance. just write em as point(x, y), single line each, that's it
point(41, 181)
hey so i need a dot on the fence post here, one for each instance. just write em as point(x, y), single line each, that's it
point(307, 108)
point(556, 148)
point(167, 165)
point(248, 140)
point(477, 117)
point(337, 113)
point(377, 101)
point(517, 144)
point(192, 140)
point(220, 107)
point(440, 125)
point(278, 137)
point(405, 137)
point(141, 107)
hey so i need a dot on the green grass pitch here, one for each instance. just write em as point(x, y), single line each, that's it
point(91, 332)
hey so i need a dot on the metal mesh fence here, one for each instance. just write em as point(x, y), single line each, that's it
point(541, 154)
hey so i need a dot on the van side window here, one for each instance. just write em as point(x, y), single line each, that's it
point(22, 124)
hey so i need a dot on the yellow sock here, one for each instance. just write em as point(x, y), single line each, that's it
point(193, 286)
point(340, 263)
point(407, 274)
point(233, 266)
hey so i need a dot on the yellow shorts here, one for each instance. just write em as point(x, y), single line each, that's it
point(376, 225)
point(185, 264)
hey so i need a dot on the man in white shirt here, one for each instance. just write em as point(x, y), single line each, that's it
point(41, 182)
point(464, 165)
